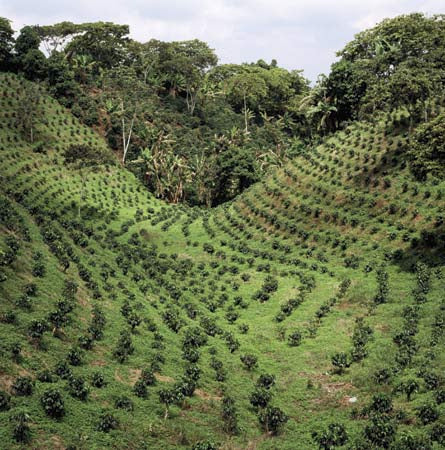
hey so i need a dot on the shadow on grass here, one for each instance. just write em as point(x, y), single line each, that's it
point(430, 249)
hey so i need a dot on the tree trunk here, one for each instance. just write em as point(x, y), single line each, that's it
point(246, 130)
point(126, 139)
point(82, 191)
point(123, 133)
point(191, 101)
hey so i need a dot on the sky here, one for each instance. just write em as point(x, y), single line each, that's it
point(299, 34)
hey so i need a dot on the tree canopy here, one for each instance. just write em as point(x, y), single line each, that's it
point(397, 61)
point(169, 104)
point(6, 42)
point(427, 153)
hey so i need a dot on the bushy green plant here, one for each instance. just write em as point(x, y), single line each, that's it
point(124, 402)
point(52, 403)
point(229, 415)
point(249, 361)
point(5, 401)
point(107, 422)
point(78, 388)
point(334, 435)
point(21, 432)
point(272, 419)
point(340, 361)
point(23, 386)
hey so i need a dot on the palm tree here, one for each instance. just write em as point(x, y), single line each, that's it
point(82, 64)
point(177, 83)
point(209, 90)
point(177, 176)
point(165, 169)
point(318, 107)
point(273, 157)
point(201, 171)
point(322, 113)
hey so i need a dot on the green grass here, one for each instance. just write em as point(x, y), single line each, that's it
point(266, 223)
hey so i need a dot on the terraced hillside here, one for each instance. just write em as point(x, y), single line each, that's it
point(315, 298)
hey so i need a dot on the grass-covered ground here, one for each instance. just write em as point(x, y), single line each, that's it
point(299, 252)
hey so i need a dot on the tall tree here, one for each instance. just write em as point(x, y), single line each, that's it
point(251, 89)
point(104, 43)
point(30, 59)
point(6, 43)
point(29, 110)
point(410, 88)
point(185, 63)
point(61, 80)
point(124, 93)
point(145, 59)
point(83, 158)
point(427, 154)
point(55, 37)
point(363, 75)
point(236, 165)
point(27, 40)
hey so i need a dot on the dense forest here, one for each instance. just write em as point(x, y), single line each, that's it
point(192, 130)
point(196, 131)
point(221, 256)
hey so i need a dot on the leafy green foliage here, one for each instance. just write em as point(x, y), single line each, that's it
point(52, 403)
point(395, 62)
point(427, 153)
point(340, 361)
point(6, 42)
point(5, 401)
point(21, 431)
point(249, 361)
point(107, 422)
point(137, 296)
point(272, 419)
point(23, 386)
point(334, 436)
point(229, 415)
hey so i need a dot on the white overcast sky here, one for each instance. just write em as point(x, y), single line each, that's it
point(300, 34)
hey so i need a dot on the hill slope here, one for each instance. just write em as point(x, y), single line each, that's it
point(281, 274)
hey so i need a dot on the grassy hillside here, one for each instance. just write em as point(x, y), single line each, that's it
point(284, 274)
